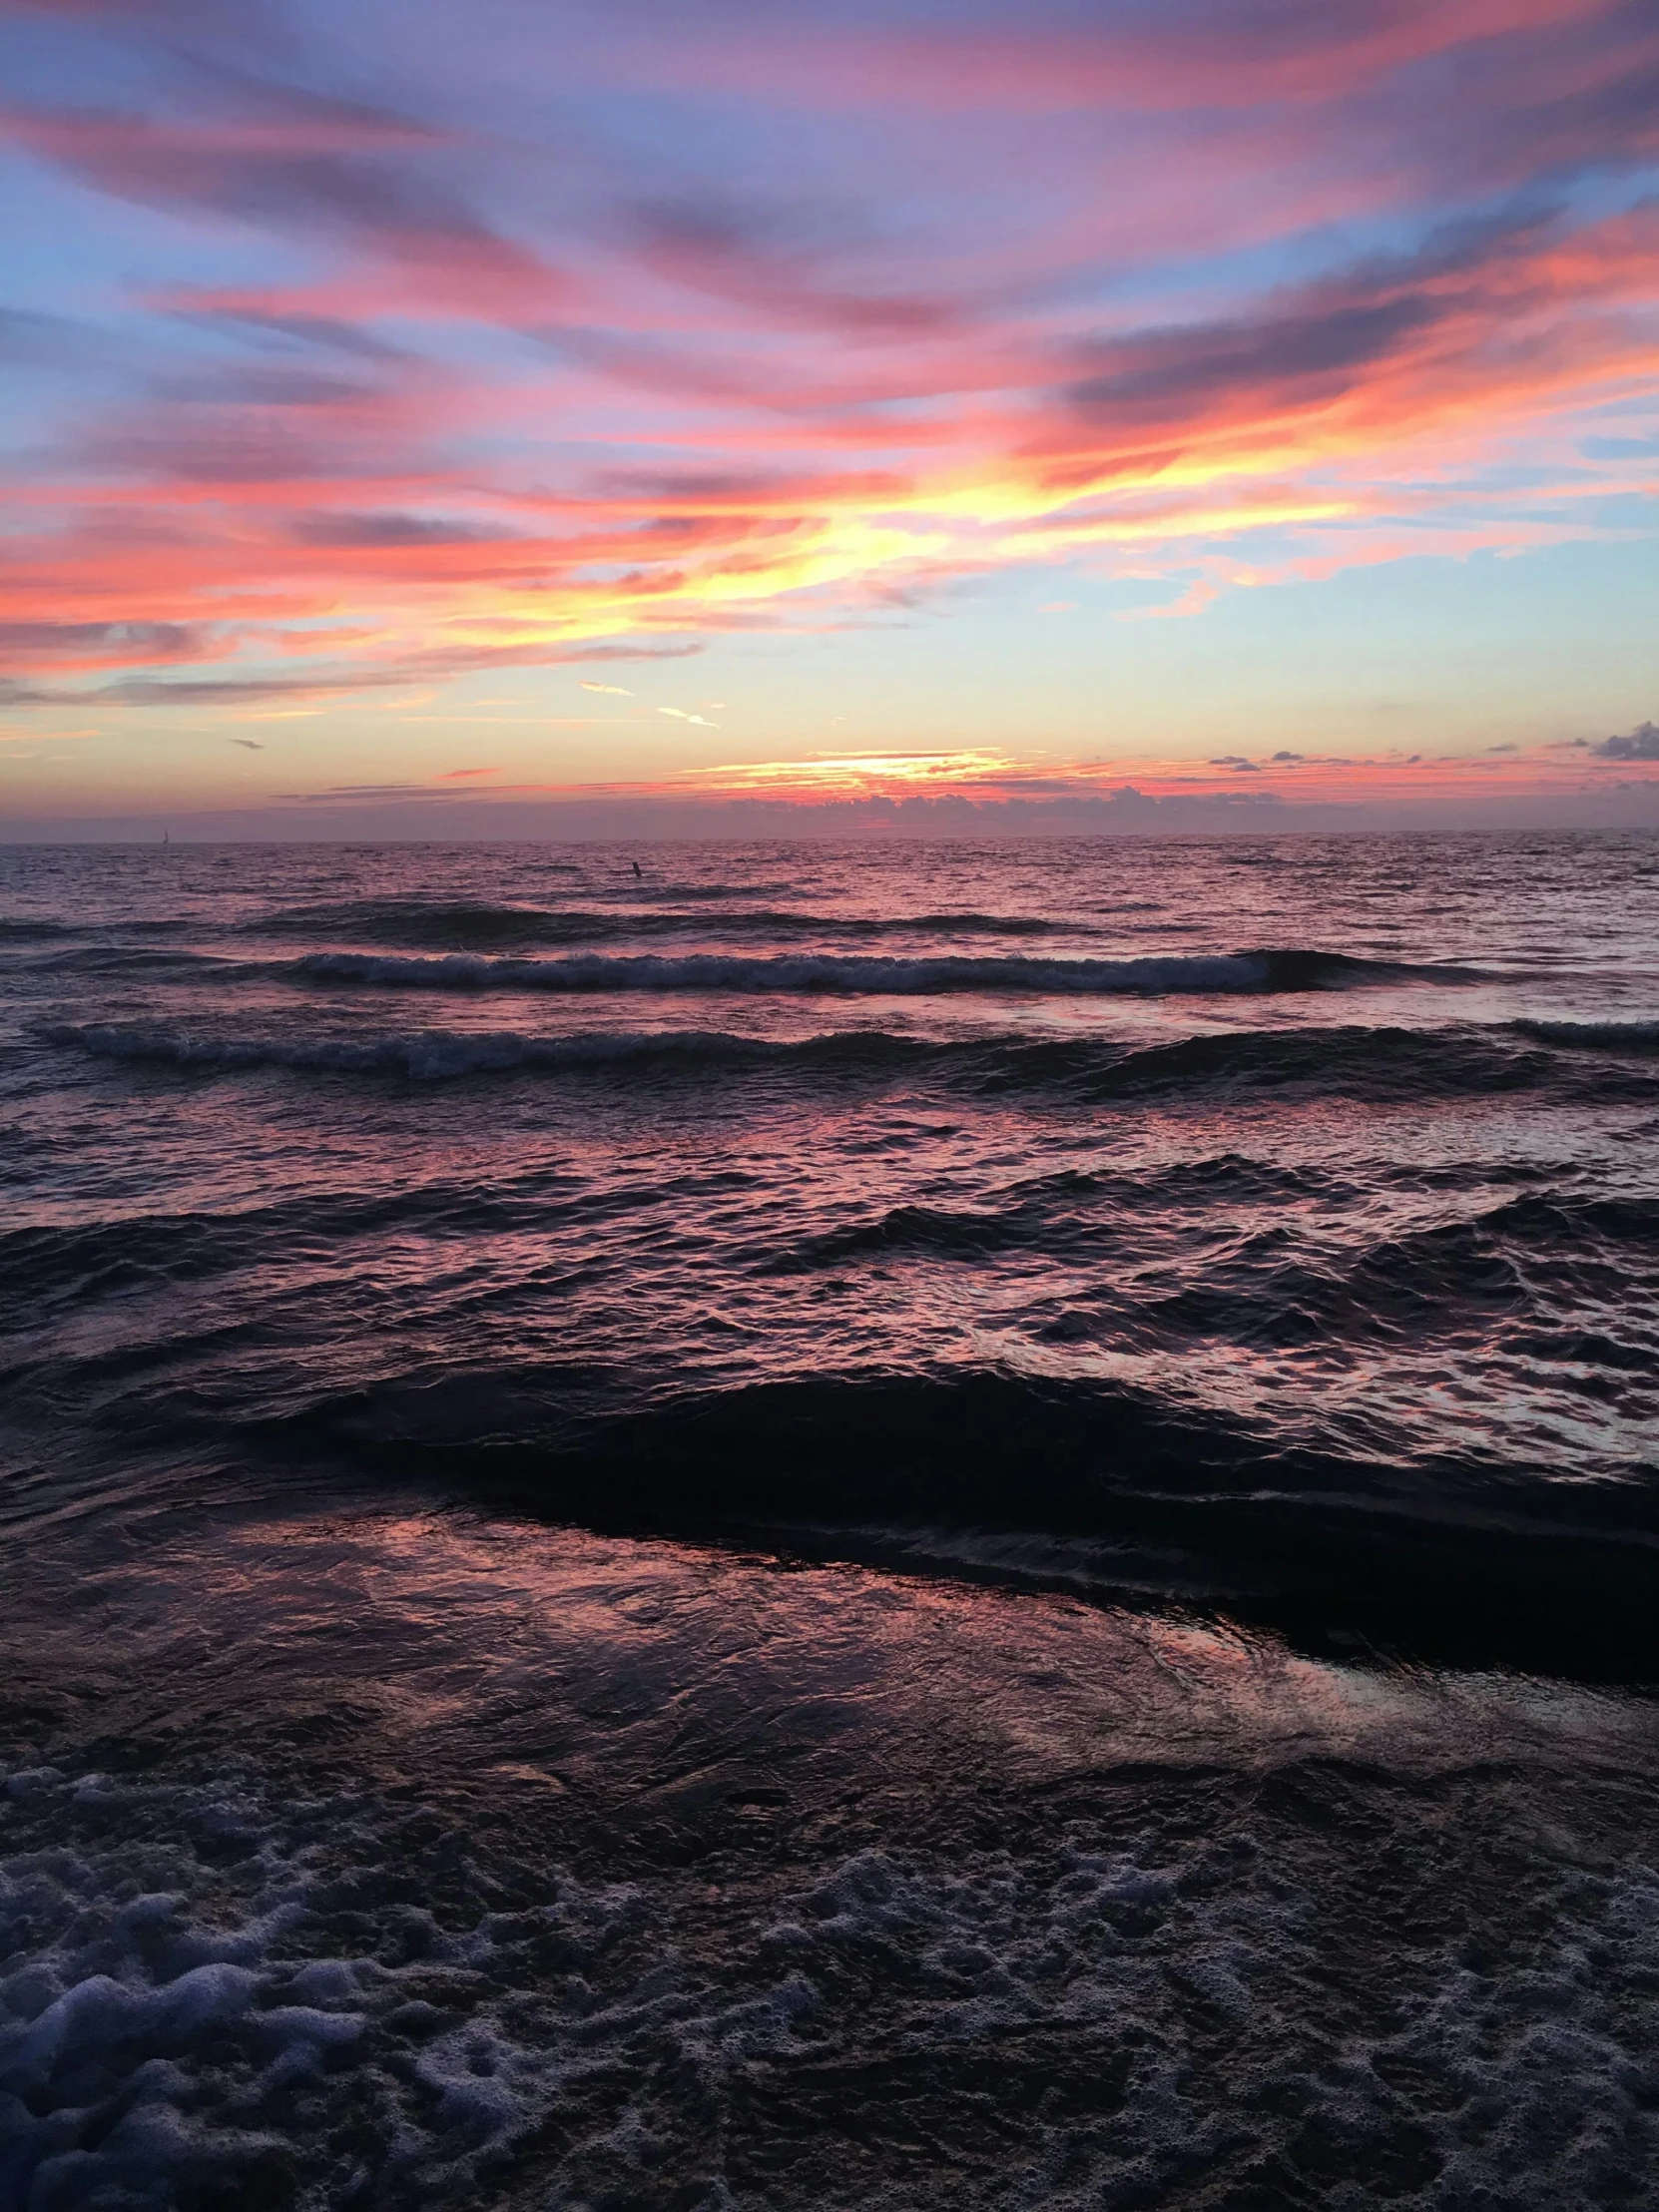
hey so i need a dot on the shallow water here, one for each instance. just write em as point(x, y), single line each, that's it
point(834, 1525)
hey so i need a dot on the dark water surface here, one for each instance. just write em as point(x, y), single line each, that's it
point(836, 1526)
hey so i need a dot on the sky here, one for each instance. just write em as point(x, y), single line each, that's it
point(433, 418)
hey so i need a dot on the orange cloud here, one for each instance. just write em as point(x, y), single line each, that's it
point(470, 404)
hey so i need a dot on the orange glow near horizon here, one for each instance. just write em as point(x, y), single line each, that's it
point(333, 404)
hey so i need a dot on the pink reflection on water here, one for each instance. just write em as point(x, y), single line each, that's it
point(668, 1680)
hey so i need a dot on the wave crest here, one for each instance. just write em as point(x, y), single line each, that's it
point(1604, 1036)
point(1153, 975)
point(1382, 1064)
point(468, 925)
point(425, 1055)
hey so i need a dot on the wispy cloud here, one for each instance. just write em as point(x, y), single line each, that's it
point(544, 349)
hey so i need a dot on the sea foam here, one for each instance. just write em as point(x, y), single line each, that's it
point(218, 1993)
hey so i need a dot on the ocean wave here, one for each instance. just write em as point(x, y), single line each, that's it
point(1156, 975)
point(1190, 1504)
point(466, 926)
point(49, 1267)
point(1352, 1061)
point(1076, 1211)
point(35, 932)
point(1382, 1065)
point(142, 959)
point(1503, 1273)
point(1505, 1270)
point(1604, 1036)
point(425, 1055)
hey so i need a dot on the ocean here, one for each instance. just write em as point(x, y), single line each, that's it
point(723, 1526)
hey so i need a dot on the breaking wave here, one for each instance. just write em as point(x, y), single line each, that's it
point(1603, 1036)
point(1350, 1062)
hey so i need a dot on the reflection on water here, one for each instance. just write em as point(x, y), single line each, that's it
point(1137, 1303)
point(663, 1683)
point(403, 1857)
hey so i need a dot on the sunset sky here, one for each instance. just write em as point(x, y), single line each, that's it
point(429, 413)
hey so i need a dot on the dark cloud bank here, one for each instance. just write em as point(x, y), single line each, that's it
point(1640, 744)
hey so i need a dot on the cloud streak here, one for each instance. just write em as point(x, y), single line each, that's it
point(562, 342)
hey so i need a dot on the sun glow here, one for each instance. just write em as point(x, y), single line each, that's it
point(856, 775)
point(707, 384)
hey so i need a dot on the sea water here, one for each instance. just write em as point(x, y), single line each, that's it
point(862, 1524)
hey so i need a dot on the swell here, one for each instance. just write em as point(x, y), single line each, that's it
point(46, 1269)
point(1551, 1287)
point(1067, 1215)
point(1157, 975)
point(1460, 1558)
point(120, 961)
point(1520, 1260)
point(1524, 1279)
point(1638, 1037)
point(51, 1267)
point(35, 932)
point(465, 927)
point(1379, 1065)
point(1261, 973)
point(427, 1055)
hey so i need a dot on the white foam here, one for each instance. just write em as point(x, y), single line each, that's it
point(175, 2015)
point(218, 2013)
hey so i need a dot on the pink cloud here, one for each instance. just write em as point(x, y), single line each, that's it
point(496, 401)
